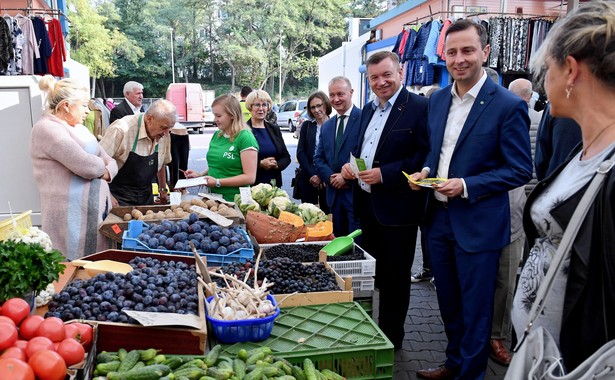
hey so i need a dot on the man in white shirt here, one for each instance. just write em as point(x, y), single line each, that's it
point(480, 143)
point(132, 103)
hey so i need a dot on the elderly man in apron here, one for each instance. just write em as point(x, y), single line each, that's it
point(142, 147)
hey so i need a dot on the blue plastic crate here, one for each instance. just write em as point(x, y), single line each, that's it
point(246, 330)
point(136, 227)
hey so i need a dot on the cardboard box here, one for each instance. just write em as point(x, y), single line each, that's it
point(114, 224)
point(113, 336)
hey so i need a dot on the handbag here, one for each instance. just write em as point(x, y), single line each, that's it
point(295, 183)
point(536, 355)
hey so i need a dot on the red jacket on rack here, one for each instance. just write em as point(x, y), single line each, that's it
point(55, 63)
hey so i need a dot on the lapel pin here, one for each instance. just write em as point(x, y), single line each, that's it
point(482, 102)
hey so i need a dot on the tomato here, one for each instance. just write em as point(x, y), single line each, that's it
point(48, 365)
point(14, 352)
point(38, 343)
point(17, 309)
point(72, 331)
point(8, 335)
point(85, 334)
point(13, 369)
point(8, 320)
point(28, 327)
point(52, 328)
point(71, 351)
point(20, 343)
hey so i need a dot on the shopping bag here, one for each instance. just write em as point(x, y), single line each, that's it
point(538, 358)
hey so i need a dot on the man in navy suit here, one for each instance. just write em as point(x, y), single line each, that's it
point(132, 103)
point(479, 141)
point(393, 138)
point(338, 137)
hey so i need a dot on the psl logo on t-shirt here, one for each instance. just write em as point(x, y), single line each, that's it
point(230, 155)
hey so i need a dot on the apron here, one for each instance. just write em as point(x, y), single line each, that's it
point(132, 186)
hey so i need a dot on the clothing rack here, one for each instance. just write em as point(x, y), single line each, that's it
point(472, 14)
point(37, 11)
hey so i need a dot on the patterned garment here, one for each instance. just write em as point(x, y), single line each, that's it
point(6, 46)
point(495, 40)
point(15, 67)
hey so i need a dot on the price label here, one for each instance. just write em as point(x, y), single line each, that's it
point(117, 229)
point(215, 217)
point(246, 195)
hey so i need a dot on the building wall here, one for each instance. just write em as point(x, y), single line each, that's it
point(36, 4)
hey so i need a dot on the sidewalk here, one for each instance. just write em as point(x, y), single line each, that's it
point(425, 340)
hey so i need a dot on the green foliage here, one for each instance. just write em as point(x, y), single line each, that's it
point(27, 267)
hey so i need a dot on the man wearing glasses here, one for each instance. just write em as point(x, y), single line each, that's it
point(338, 137)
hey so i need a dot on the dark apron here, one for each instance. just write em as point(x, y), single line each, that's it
point(132, 186)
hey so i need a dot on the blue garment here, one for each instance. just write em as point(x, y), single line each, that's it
point(44, 46)
point(266, 148)
point(432, 42)
point(417, 70)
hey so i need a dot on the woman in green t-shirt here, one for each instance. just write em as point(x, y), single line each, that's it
point(232, 153)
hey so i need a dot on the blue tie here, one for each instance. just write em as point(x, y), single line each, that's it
point(339, 134)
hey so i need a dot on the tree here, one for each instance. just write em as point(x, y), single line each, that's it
point(367, 8)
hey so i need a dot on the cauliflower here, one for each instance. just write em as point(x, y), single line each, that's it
point(261, 193)
point(278, 204)
point(245, 207)
point(32, 235)
point(311, 214)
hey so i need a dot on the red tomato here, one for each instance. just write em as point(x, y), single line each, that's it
point(17, 309)
point(4, 319)
point(85, 334)
point(71, 351)
point(13, 369)
point(38, 343)
point(72, 331)
point(8, 335)
point(28, 327)
point(14, 352)
point(48, 365)
point(52, 328)
point(20, 343)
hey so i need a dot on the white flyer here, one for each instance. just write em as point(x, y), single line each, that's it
point(191, 182)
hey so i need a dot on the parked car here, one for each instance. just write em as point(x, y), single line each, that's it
point(209, 117)
point(303, 117)
point(289, 112)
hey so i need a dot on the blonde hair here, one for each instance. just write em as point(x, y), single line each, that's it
point(258, 94)
point(232, 107)
point(588, 35)
point(65, 90)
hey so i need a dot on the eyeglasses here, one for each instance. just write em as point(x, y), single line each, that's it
point(315, 106)
point(258, 105)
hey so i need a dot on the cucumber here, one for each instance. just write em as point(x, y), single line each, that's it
point(271, 371)
point(242, 354)
point(219, 374)
point(174, 362)
point(139, 365)
point(320, 375)
point(105, 357)
point(239, 367)
point(149, 354)
point(330, 375)
point(256, 374)
point(309, 370)
point(298, 373)
point(192, 363)
point(105, 368)
point(129, 361)
point(192, 373)
point(153, 372)
point(158, 359)
point(212, 357)
point(260, 355)
point(122, 353)
point(286, 377)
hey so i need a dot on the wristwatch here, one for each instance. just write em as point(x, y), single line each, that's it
point(218, 183)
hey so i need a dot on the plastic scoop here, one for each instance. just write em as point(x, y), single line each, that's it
point(102, 266)
point(341, 244)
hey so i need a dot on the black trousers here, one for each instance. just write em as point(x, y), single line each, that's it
point(180, 150)
point(393, 248)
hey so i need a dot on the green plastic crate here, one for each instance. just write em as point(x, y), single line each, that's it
point(340, 337)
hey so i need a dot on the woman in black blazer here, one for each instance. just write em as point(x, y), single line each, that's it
point(273, 157)
point(310, 187)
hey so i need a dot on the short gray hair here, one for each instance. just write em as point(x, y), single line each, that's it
point(132, 86)
point(340, 78)
point(522, 88)
point(163, 109)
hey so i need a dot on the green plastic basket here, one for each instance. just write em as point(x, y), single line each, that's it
point(340, 337)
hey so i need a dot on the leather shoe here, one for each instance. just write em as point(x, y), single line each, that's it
point(499, 353)
point(436, 373)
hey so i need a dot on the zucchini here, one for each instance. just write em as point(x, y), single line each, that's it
point(149, 354)
point(105, 368)
point(153, 372)
point(212, 357)
point(192, 373)
point(129, 361)
point(309, 370)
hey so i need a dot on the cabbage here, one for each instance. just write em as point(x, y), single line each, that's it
point(278, 204)
point(311, 214)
